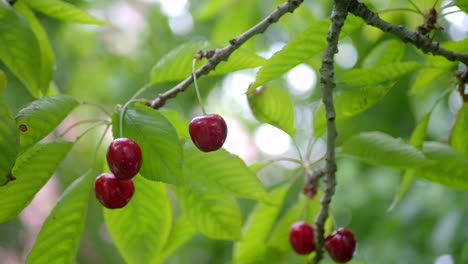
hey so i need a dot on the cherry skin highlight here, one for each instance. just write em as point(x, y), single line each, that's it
point(341, 245)
point(208, 132)
point(301, 238)
point(113, 192)
point(124, 158)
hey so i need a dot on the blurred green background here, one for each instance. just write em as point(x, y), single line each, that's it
point(107, 65)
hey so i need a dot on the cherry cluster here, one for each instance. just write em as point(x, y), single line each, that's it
point(115, 189)
point(340, 245)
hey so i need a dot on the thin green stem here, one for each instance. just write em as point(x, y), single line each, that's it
point(101, 139)
point(310, 146)
point(296, 177)
point(298, 150)
point(416, 7)
point(399, 9)
point(91, 128)
point(80, 123)
point(140, 91)
point(271, 161)
point(194, 76)
point(285, 159)
point(122, 114)
point(98, 106)
point(451, 12)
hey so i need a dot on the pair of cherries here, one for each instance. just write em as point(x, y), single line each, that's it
point(340, 245)
point(115, 189)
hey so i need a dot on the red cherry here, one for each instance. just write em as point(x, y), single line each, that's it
point(208, 132)
point(301, 238)
point(341, 245)
point(113, 192)
point(124, 158)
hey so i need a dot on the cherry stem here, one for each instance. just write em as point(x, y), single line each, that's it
point(451, 12)
point(284, 159)
point(140, 91)
point(98, 106)
point(122, 114)
point(416, 7)
point(101, 139)
point(91, 128)
point(399, 9)
point(298, 150)
point(310, 146)
point(296, 177)
point(101, 121)
point(194, 76)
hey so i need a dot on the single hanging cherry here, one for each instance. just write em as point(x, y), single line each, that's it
point(124, 158)
point(113, 192)
point(341, 245)
point(208, 132)
point(301, 238)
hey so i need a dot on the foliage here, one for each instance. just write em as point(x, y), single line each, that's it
point(398, 111)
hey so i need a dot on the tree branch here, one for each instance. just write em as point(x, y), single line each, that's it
point(421, 41)
point(224, 53)
point(338, 17)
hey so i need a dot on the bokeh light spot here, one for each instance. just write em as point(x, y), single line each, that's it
point(271, 140)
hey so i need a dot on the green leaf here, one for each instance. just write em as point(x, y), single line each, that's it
point(222, 172)
point(416, 140)
point(32, 170)
point(449, 167)
point(378, 75)
point(257, 228)
point(352, 24)
point(459, 135)
point(215, 215)
point(177, 64)
point(302, 47)
point(182, 231)
point(419, 133)
point(64, 11)
point(47, 55)
point(350, 102)
point(456, 46)
point(463, 5)
point(380, 149)
point(60, 234)
point(19, 49)
point(386, 52)
point(161, 149)
point(141, 228)
point(178, 122)
point(3, 81)
point(437, 67)
point(273, 105)
point(406, 181)
point(9, 140)
point(210, 10)
point(229, 24)
point(239, 60)
point(42, 116)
